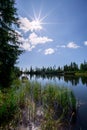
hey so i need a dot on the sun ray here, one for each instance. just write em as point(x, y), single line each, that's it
point(37, 20)
point(35, 17)
point(39, 14)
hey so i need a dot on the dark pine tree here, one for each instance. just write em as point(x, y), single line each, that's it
point(9, 45)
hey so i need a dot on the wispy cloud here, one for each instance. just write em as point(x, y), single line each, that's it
point(85, 43)
point(49, 51)
point(32, 41)
point(27, 25)
point(61, 46)
point(72, 45)
point(39, 50)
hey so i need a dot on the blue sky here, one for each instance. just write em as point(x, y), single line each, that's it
point(54, 32)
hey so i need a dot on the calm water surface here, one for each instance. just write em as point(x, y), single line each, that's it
point(79, 88)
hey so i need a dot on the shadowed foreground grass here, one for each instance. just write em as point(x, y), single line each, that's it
point(49, 106)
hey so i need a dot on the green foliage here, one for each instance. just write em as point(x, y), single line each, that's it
point(66, 70)
point(9, 45)
point(73, 100)
point(8, 106)
point(59, 102)
point(36, 91)
point(83, 66)
point(55, 101)
point(11, 100)
point(49, 97)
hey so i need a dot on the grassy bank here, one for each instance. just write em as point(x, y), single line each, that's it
point(81, 74)
point(50, 106)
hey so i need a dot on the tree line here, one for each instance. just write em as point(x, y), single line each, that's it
point(66, 69)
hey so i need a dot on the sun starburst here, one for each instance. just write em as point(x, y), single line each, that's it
point(38, 20)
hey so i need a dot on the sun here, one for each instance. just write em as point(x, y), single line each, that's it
point(36, 24)
point(37, 20)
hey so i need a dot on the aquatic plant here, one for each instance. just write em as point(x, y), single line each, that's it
point(49, 104)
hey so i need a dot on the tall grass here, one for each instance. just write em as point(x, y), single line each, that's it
point(56, 103)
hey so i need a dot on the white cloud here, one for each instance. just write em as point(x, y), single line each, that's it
point(27, 25)
point(35, 39)
point(85, 43)
point(35, 25)
point(72, 45)
point(49, 51)
point(32, 41)
point(26, 45)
